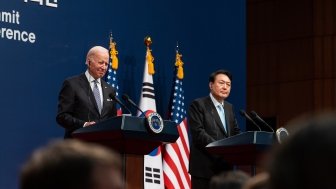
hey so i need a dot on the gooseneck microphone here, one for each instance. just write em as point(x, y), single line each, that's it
point(128, 100)
point(255, 116)
point(244, 114)
point(115, 98)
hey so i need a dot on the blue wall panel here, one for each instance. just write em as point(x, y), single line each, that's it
point(211, 35)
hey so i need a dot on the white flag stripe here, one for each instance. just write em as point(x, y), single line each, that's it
point(173, 155)
point(148, 87)
point(183, 153)
point(170, 174)
point(184, 162)
point(185, 135)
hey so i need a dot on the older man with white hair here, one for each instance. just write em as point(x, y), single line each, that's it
point(85, 99)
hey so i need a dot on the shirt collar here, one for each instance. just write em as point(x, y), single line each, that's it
point(215, 102)
point(90, 78)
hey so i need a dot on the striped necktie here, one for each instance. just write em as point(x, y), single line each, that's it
point(96, 94)
point(222, 116)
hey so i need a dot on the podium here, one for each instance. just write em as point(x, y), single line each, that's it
point(130, 137)
point(243, 149)
point(128, 134)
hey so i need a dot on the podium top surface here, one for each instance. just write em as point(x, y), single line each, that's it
point(128, 134)
point(243, 149)
point(130, 126)
point(246, 138)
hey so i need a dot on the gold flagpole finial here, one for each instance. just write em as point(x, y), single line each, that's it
point(149, 56)
point(179, 63)
point(113, 53)
point(148, 41)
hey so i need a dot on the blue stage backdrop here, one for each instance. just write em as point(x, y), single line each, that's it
point(44, 41)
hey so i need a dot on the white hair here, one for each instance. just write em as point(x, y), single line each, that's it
point(95, 50)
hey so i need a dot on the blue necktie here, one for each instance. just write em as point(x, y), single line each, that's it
point(222, 115)
point(96, 94)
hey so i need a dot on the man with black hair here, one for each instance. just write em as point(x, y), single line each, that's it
point(211, 118)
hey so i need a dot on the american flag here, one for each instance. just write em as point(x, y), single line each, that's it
point(176, 155)
point(111, 77)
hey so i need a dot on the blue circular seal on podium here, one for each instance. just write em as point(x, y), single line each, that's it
point(155, 122)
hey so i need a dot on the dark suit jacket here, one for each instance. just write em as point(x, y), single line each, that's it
point(206, 127)
point(77, 105)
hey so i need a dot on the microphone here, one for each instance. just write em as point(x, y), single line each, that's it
point(128, 100)
point(115, 98)
point(255, 115)
point(244, 114)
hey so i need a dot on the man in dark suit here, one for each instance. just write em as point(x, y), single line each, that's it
point(210, 118)
point(85, 99)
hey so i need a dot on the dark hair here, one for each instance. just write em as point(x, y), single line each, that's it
point(307, 158)
point(67, 164)
point(230, 180)
point(214, 74)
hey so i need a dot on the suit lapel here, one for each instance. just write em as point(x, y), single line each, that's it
point(215, 115)
point(227, 117)
point(86, 86)
point(105, 95)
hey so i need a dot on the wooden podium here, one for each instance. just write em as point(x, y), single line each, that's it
point(129, 136)
point(243, 149)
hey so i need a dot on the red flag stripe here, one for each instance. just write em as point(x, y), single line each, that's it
point(167, 182)
point(182, 155)
point(182, 164)
point(173, 167)
point(183, 145)
point(119, 112)
point(184, 136)
point(183, 172)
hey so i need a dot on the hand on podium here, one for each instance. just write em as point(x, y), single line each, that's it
point(86, 124)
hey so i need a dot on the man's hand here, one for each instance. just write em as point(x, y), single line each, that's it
point(86, 124)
